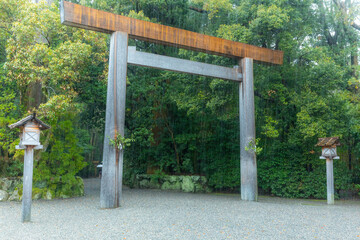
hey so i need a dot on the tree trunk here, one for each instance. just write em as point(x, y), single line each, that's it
point(35, 95)
point(350, 157)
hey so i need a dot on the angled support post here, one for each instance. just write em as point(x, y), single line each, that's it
point(111, 181)
point(249, 190)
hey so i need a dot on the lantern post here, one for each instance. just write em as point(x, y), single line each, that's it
point(29, 140)
point(329, 153)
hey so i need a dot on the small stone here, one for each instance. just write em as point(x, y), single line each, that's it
point(187, 184)
point(171, 186)
point(15, 183)
point(145, 176)
point(203, 180)
point(173, 179)
point(37, 196)
point(3, 196)
point(154, 184)
point(40, 184)
point(48, 195)
point(5, 184)
point(62, 195)
point(195, 178)
point(2, 184)
point(199, 188)
point(15, 196)
point(144, 183)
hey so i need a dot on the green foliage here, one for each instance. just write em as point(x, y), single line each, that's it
point(63, 159)
point(15, 168)
point(269, 129)
point(184, 124)
point(68, 64)
point(9, 111)
point(215, 7)
point(120, 142)
point(157, 176)
point(253, 145)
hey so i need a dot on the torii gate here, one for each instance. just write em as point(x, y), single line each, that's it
point(121, 28)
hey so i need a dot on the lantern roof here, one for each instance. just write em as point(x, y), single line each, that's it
point(328, 142)
point(29, 118)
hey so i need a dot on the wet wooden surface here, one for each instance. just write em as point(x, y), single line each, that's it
point(92, 19)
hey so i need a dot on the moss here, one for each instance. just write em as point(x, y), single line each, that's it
point(187, 184)
point(49, 194)
point(37, 193)
point(171, 186)
point(154, 183)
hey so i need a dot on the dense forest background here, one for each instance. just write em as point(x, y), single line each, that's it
point(184, 124)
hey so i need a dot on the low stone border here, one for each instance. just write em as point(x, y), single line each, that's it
point(11, 190)
point(172, 182)
point(8, 189)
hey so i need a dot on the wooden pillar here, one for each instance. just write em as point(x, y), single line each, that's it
point(330, 180)
point(249, 190)
point(111, 181)
point(27, 184)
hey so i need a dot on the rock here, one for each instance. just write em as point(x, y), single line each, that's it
point(171, 186)
point(187, 184)
point(15, 196)
point(48, 195)
point(40, 184)
point(5, 184)
point(154, 184)
point(143, 176)
point(37, 196)
point(195, 178)
point(144, 183)
point(62, 195)
point(3, 196)
point(36, 193)
point(14, 184)
point(173, 179)
point(199, 188)
point(203, 180)
point(165, 186)
point(2, 184)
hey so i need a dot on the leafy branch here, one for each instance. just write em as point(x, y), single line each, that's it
point(253, 146)
point(120, 142)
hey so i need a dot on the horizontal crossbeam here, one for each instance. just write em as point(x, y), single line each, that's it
point(92, 19)
point(181, 65)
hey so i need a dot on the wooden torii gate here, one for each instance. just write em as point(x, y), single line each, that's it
point(121, 28)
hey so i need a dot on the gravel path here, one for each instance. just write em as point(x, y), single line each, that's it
point(155, 214)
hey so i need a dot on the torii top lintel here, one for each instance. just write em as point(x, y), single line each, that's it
point(93, 19)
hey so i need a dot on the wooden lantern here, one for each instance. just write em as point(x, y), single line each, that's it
point(29, 130)
point(328, 147)
point(29, 140)
point(329, 153)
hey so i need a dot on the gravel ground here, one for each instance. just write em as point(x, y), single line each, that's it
point(155, 214)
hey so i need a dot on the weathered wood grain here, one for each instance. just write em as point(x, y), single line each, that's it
point(111, 181)
point(27, 184)
point(92, 19)
point(248, 168)
point(330, 180)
